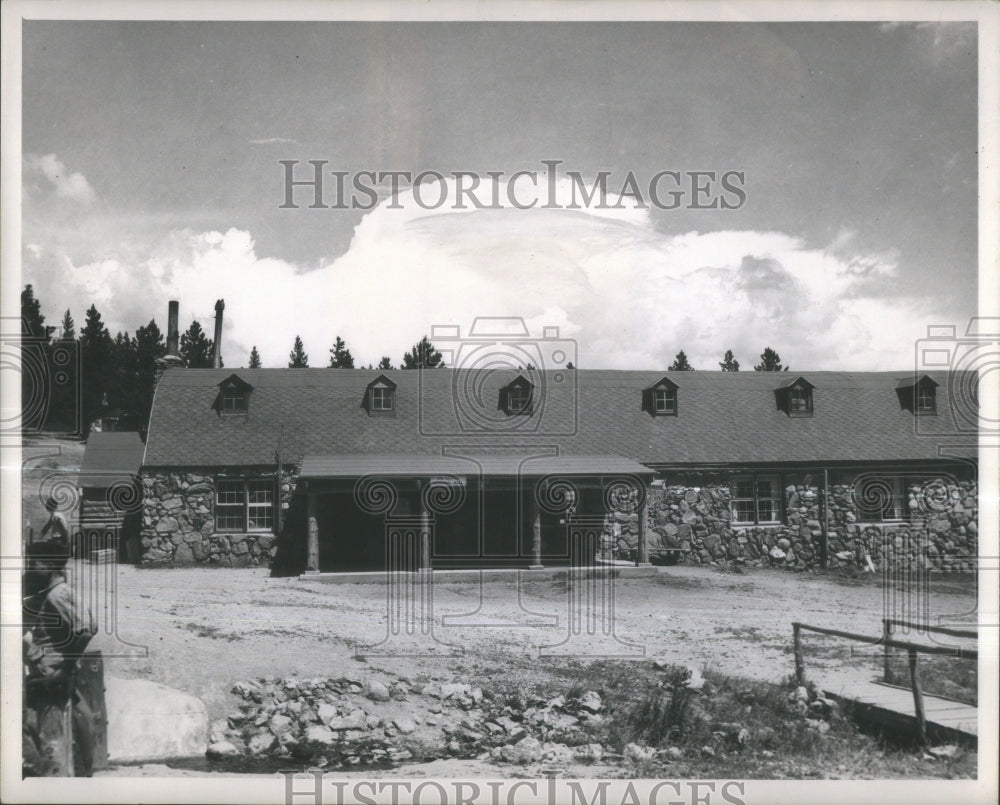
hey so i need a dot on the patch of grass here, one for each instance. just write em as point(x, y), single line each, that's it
point(212, 632)
point(679, 582)
point(733, 727)
point(941, 676)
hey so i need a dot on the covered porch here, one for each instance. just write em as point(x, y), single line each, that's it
point(367, 513)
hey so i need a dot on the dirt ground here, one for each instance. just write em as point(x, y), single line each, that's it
point(203, 629)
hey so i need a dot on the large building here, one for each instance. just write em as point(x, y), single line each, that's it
point(352, 469)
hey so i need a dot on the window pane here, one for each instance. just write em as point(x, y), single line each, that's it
point(229, 518)
point(743, 488)
point(260, 517)
point(261, 491)
point(229, 492)
point(742, 511)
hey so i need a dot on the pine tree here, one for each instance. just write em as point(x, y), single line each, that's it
point(96, 356)
point(340, 355)
point(36, 374)
point(121, 389)
point(385, 363)
point(149, 345)
point(770, 361)
point(297, 358)
point(32, 320)
point(196, 348)
point(68, 328)
point(423, 356)
point(681, 364)
point(729, 363)
point(254, 358)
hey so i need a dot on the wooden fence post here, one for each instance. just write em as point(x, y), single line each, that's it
point(918, 698)
point(800, 668)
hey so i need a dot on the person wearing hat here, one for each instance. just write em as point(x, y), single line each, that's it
point(57, 627)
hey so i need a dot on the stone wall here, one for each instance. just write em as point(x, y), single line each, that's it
point(940, 533)
point(178, 523)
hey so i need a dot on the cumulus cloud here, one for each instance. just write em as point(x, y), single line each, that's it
point(629, 295)
point(67, 184)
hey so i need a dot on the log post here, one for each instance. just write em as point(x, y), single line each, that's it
point(642, 552)
point(536, 532)
point(312, 553)
point(918, 698)
point(800, 666)
point(425, 534)
point(886, 637)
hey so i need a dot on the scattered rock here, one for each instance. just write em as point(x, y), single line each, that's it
point(404, 725)
point(591, 702)
point(244, 689)
point(946, 751)
point(590, 753)
point(524, 751)
point(326, 712)
point(637, 752)
point(218, 730)
point(455, 690)
point(377, 691)
point(356, 720)
point(675, 752)
point(695, 681)
point(801, 694)
point(320, 735)
point(261, 743)
point(221, 749)
point(280, 723)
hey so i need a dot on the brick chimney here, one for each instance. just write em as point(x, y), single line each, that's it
point(172, 335)
point(220, 305)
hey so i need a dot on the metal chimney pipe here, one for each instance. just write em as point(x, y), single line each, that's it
point(220, 305)
point(172, 335)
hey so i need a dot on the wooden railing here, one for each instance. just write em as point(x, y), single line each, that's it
point(911, 649)
point(888, 623)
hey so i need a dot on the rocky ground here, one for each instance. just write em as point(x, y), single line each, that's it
point(286, 669)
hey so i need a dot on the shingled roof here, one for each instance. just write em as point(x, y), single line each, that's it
point(723, 418)
point(110, 456)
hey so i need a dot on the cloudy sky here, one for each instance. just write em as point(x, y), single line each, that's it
point(151, 172)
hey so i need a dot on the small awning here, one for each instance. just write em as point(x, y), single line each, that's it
point(357, 466)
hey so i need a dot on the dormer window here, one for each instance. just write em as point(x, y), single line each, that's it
point(796, 398)
point(234, 395)
point(926, 399)
point(918, 395)
point(664, 402)
point(516, 398)
point(233, 399)
point(660, 399)
point(380, 397)
point(800, 401)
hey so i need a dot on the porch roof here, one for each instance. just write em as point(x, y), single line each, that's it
point(356, 466)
